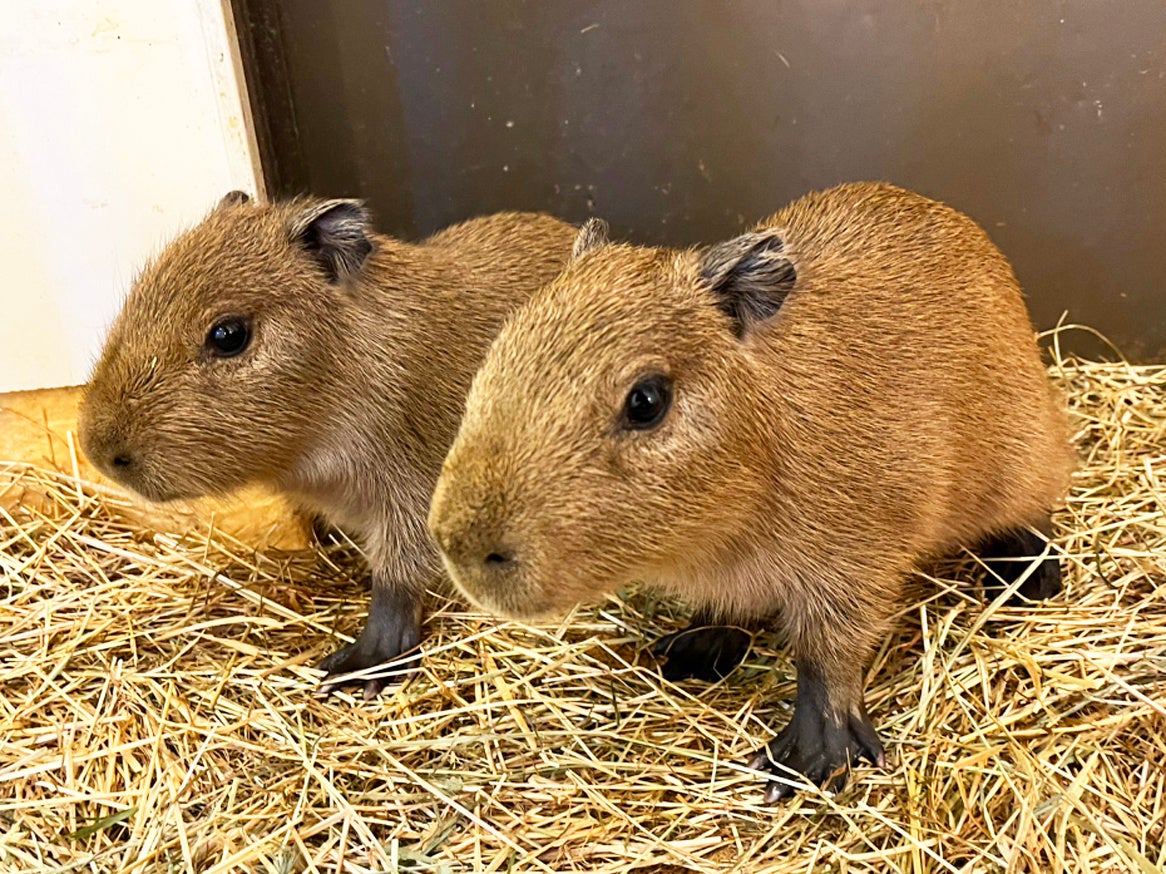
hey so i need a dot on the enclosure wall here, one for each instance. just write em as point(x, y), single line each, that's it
point(683, 121)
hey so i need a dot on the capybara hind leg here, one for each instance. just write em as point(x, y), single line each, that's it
point(1010, 554)
point(706, 650)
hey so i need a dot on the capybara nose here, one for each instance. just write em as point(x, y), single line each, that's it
point(498, 559)
point(472, 536)
point(475, 552)
point(106, 448)
point(110, 453)
point(481, 557)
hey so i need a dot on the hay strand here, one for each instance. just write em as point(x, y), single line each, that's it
point(157, 711)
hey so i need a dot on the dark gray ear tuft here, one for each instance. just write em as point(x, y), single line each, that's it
point(234, 198)
point(336, 234)
point(749, 276)
point(592, 235)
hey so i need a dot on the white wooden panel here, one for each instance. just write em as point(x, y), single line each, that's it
point(121, 122)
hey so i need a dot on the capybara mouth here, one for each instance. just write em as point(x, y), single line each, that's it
point(512, 597)
point(141, 479)
point(153, 491)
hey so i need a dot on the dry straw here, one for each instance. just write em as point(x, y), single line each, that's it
point(157, 712)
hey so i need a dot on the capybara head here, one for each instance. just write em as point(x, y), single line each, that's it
point(610, 434)
point(214, 373)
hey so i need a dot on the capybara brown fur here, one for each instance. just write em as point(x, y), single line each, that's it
point(290, 344)
point(781, 425)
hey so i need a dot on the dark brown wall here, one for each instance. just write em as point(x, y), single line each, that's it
point(684, 121)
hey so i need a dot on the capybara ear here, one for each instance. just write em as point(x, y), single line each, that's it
point(336, 234)
point(234, 198)
point(592, 235)
point(749, 276)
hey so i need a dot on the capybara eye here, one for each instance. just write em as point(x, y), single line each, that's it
point(228, 337)
point(647, 403)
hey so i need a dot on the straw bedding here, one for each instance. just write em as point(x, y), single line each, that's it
point(157, 710)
